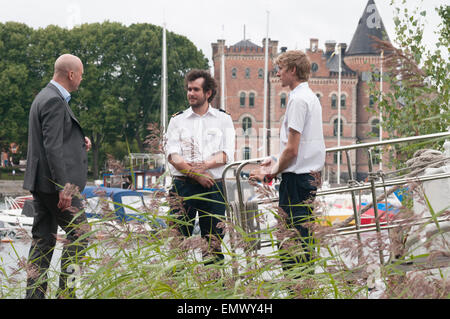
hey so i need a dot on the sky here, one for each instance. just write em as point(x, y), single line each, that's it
point(291, 22)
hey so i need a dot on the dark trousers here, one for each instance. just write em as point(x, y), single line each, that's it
point(297, 193)
point(46, 221)
point(208, 212)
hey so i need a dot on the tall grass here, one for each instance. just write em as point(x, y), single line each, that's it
point(133, 261)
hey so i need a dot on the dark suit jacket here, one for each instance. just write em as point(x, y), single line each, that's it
point(56, 147)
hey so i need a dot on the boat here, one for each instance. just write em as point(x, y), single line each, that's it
point(103, 206)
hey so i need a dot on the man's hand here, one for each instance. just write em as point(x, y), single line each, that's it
point(264, 169)
point(65, 197)
point(65, 200)
point(88, 143)
point(198, 172)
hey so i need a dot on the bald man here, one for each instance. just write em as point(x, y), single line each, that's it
point(57, 156)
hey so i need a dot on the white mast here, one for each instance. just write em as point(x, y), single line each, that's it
point(164, 83)
point(339, 117)
point(266, 66)
point(222, 74)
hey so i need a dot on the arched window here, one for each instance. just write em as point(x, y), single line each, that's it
point(242, 99)
point(247, 73)
point(335, 127)
point(375, 127)
point(251, 99)
point(318, 96)
point(246, 125)
point(246, 153)
point(334, 101)
point(233, 73)
point(283, 100)
point(343, 100)
point(260, 73)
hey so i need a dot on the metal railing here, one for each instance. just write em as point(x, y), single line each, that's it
point(246, 218)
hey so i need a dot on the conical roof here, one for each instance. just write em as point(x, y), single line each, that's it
point(370, 24)
point(245, 44)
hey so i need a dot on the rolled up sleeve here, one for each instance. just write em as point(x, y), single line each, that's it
point(172, 139)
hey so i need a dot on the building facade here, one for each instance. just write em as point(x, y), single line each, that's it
point(242, 95)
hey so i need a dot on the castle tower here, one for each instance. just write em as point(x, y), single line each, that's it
point(364, 57)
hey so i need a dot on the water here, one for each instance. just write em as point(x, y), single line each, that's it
point(13, 275)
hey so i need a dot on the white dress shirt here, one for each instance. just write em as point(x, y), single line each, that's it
point(304, 115)
point(196, 138)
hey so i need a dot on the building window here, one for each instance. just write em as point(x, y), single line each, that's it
point(260, 73)
point(376, 156)
point(318, 96)
point(334, 101)
point(343, 100)
point(233, 73)
point(375, 127)
point(335, 158)
point(314, 67)
point(251, 99)
point(242, 99)
point(283, 100)
point(335, 127)
point(246, 153)
point(371, 100)
point(247, 73)
point(246, 125)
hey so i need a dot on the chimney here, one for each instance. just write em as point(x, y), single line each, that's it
point(343, 48)
point(313, 44)
point(330, 46)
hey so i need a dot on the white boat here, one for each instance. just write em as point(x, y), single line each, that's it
point(126, 207)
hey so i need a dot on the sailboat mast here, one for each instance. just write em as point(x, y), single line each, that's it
point(266, 74)
point(164, 111)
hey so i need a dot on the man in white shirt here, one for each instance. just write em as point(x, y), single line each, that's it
point(302, 149)
point(200, 142)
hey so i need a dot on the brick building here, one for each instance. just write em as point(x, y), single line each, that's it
point(244, 64)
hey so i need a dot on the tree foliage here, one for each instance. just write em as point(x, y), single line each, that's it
point(121, 89)
point(418, 100)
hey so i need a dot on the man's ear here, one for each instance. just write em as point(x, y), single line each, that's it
point(208, 94)
point(293, 70)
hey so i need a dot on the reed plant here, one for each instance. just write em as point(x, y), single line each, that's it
point(134, 261)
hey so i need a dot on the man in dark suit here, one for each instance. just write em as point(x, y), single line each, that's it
point(57, 157)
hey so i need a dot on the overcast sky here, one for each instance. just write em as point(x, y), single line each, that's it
point(291, 22)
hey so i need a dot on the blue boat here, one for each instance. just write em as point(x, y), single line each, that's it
point(125, 204)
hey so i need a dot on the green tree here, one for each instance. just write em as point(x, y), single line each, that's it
point(140, 81)
point(97, 103)
point(121, 89)
point(418, 100)
point(15, 93)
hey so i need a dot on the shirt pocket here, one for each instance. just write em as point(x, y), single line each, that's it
point(213, 140)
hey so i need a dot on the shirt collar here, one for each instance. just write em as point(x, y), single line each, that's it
point(301, 85)
point(64, 92)
point(211, 111)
